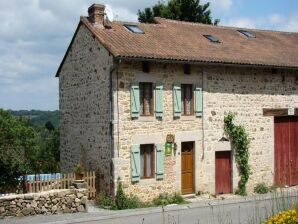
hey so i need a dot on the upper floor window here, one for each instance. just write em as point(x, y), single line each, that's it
point(187, 99)
point(146, 98)
point(147, 161)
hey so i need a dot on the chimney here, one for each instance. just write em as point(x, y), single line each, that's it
point(96, 14)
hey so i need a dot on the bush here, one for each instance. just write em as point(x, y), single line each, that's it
point(166, 199)
point(261, 188)
point(285, 217)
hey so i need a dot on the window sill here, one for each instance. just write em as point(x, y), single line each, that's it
point(146, 118)
point(147, 181)
point(188, 117)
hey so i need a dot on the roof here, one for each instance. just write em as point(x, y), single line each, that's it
point(173, 40)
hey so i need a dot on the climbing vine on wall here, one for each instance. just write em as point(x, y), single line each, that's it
point(240, 142)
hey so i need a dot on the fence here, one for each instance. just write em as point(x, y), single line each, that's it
point(61, 181)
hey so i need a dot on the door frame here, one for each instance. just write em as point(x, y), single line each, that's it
point(193, 167)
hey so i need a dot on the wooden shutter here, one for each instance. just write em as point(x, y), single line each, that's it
point(198, 101)
point(159, 152)
point(134, 99)
point(177, 99)
point(135, 163)
point(159, 99)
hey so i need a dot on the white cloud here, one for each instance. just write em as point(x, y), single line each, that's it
point(221, 5)
point(241, 22)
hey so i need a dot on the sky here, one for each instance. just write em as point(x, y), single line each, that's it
point(34, 35)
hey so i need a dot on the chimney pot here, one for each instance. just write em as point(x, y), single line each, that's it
point(96, 14)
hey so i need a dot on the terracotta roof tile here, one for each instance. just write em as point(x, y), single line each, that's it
point(176, 40)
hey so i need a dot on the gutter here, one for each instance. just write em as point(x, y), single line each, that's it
point(211, 63)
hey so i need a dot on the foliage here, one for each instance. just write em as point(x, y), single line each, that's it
point(183, 10)
point(240, 142)
point(18, 148)
point(122, 201)
point(284, 217)
point(79, 168)
point(38, 117)
point(166, 199)
point(261, 188)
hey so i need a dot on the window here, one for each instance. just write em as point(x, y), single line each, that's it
point(187, 69)
point(186, 99)
point(212, 38)
point(145, 66)
point(147, 161)
point(146, 98)
point(134, 28)
point(247, 33)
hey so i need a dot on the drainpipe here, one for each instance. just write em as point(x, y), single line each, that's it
point(203, 111)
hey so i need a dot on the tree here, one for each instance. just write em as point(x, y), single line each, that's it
point(18, 149)
point(49, 126)
point(183, 10)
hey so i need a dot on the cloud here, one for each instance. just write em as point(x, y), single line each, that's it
point(221, 5)
point(241, 22)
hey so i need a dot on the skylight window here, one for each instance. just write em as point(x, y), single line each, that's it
point(212, 38)
point(247, 33)
point(134, 28)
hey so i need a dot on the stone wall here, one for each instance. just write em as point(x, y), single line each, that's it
point(85, 107)
point(47, 202)
point(150, 130)
point(245, 91)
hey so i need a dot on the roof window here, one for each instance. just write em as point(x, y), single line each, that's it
point(247, 33)
point(134, 28)
point(212, 38)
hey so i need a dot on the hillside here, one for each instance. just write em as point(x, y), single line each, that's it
point(39, 117)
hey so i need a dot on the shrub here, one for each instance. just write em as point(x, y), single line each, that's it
point(166, 199)
point(285, 217)
point(261, 188)
point(105, 201)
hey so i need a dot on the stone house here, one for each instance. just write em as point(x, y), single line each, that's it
point(145, 103)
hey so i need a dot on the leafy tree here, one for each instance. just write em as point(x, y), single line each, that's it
point(49, 126)
point(18, 149)
point(183, 10)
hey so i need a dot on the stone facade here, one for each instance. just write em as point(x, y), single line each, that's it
point(47, 202)
point(85, 116)
point(85, 107)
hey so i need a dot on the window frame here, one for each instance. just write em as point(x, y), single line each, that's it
point(143, 147)
point(212, 38)
point(143, 99)
point(247, 33)
point(183, 93)
point(129, 27)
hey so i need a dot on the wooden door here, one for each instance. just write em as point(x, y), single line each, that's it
point(223, 172)
point(286, 151)
point(187, 167)
point(293, 150)
point(281, 151)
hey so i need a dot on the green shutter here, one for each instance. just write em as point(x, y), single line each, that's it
point(159, 99)
point(159, 161)
point(135, 163)
point(134, 99)
point(198, 101)
point(177, 99)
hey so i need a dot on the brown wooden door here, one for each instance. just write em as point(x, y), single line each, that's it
point(223, 172)
point(187, 161)
point(286, 151)
point(293, 151)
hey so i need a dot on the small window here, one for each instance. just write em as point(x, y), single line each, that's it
point(134, 28)
point(147, 161)
point(146, 98)
point(187, 69)
point(187, 99)
point(212, 38)
point(146, 66)
point(247, 33)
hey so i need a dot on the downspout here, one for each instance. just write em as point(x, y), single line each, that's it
point(203, 111)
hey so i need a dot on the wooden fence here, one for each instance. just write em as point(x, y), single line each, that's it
point(62, 181)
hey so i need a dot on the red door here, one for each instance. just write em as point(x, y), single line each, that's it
point(293, 151)
point(286, 151)
point(223, 172)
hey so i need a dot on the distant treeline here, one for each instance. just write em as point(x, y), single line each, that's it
point(39, 117)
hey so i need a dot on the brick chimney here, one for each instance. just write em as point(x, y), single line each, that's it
point(96, 15)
